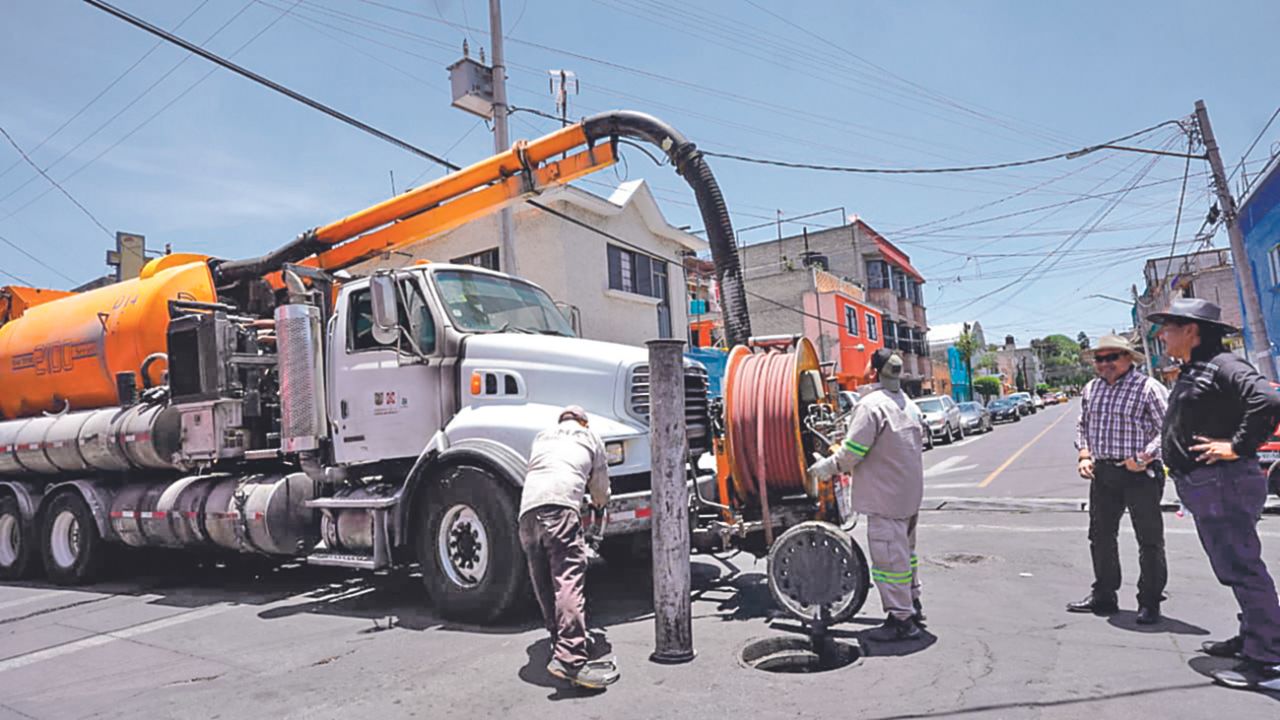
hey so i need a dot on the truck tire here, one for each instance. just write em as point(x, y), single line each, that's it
point(72, 549)
point(469, 546)
point(19, 558)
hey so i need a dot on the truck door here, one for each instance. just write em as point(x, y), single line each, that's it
point(385, 402)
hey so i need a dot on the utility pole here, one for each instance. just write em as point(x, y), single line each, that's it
point(669, 528)
point(1142, 328)
point(501, 142)
point(1262, 356)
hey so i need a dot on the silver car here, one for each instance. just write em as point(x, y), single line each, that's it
point(942, 416)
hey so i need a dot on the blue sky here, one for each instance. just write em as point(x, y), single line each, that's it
point(219, 165)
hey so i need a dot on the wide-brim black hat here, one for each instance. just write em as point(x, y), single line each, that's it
point(1193, 310)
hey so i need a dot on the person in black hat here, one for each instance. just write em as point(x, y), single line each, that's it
point(1220, 411)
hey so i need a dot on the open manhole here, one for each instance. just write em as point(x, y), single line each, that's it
point(793, 654)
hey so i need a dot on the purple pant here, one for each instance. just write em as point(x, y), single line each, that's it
point(557, 555)
point(1226, 500)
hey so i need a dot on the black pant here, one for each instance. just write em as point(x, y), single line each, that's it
point(1113, 490)
point(1226, 501)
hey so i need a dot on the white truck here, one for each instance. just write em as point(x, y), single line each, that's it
point(264, 406)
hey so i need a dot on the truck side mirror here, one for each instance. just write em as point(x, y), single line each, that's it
point(386, 312)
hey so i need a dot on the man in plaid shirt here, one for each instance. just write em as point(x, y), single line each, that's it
point(1118, 436)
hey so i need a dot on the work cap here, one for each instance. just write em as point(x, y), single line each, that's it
point(574, 412)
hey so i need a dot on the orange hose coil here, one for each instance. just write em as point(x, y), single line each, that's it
point(762, 418)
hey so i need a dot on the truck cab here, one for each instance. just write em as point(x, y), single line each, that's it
point(453, 366)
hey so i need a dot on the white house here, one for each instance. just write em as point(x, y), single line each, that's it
point(627, 288)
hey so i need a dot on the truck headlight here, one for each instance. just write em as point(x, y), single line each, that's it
point(613, 451)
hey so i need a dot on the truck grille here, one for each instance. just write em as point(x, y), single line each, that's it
point(696, 415)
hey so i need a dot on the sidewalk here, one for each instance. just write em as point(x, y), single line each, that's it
point(1001, 646)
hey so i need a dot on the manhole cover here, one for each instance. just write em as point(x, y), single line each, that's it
point(959, 558)
point(799, 654)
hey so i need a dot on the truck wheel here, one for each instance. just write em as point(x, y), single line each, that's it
point(73, 550)
point(18, 558)
point(469, 546)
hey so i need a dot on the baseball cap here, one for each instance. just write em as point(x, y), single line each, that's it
point(574, 412)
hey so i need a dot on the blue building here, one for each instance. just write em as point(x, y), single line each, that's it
point(1259, 221)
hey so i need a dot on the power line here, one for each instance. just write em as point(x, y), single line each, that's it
point(35, 259)
point(54, 183)
point(271, 84)
point(104, 91)
point(137, 98)
point(1254, 144)
point(920, 171)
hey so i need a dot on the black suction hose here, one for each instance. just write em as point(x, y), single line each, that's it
point(692, 166)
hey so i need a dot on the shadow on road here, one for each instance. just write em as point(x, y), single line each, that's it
point(1206, 666)
point(1128, 620)
point(539, 652)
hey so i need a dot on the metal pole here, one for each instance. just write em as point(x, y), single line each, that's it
point(668, 453)
point(1142, 329)
point(1262, 355)
point(501, 142)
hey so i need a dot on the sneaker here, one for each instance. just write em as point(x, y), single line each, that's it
point(1095, 604)
point(1250, 675)
point(894, 630)
point(1229, 648)
point(595, 675)
point(919, 617)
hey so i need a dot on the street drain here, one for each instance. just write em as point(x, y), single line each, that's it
point(799, 654)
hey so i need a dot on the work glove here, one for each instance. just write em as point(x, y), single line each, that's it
point(823, 469)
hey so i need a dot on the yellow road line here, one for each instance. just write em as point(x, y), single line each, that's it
point(996, 473)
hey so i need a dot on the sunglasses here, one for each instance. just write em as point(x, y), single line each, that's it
point(1107, 358)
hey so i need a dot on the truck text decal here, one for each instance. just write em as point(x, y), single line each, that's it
point(55, 358)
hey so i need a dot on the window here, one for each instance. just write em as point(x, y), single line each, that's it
point(851, 319)
point(637, 273)
point(1274, 258)
point(641, 274)
point(873, 332)
point(480, 302)
point(901, 283)
point(878, 275)
point(486, 259)
point(891, 334)
point(416, 322)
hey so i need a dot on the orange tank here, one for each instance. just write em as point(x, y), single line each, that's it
point(69, 351)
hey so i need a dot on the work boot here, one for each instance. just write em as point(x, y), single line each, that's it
point(594, 675)
point(1095, 604)
point(1250, 675)
point(1229, 648)
point(919, 617)
point(1148, 614)
point(894, 630)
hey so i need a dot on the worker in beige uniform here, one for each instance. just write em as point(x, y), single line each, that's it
point(567, 461)
point(882, 452)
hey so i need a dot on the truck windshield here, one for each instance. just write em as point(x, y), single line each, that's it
point(479, 302)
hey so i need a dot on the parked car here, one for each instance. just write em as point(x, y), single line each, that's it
point(942, 416)
point(925, 436)
point(1025, 406)
point(847, 399)
point(974, 417)
point(1038, 402)
point(1005, 409)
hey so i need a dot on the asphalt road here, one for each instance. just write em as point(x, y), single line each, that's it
point(166, 639)
point(1032, 458)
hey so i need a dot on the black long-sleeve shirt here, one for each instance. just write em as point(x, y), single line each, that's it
point(1218, 395)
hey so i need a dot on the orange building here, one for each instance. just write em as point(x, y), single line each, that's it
point(845, 328)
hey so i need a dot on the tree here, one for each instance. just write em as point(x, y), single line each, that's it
point(1082, 340)
point(1060, 355)
point(988, 386)
point(988, 361)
